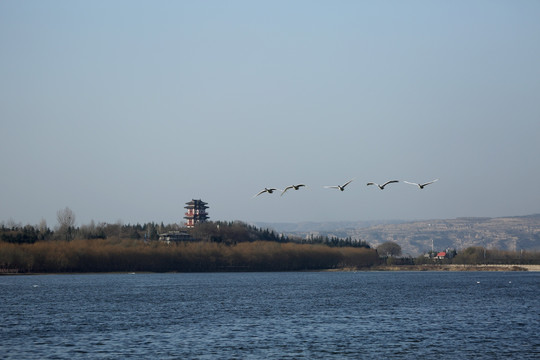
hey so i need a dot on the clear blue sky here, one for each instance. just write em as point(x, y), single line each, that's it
point(126, 110)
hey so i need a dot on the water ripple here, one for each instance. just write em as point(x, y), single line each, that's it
point(272, 316)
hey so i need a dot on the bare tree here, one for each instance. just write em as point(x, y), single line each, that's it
point(389, 248)
point(66, 222)
point(42, 227)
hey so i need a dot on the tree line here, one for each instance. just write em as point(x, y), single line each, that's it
point(232, 232)
point(212, 246)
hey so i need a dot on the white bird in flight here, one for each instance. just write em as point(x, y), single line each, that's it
point(421, 186)
point(383, 185)
point(295, 187)
point(268, 190)
point(340, 187)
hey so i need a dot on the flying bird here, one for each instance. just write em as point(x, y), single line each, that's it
point(295, 187)
point(268, 190)
point(340, 187)
point(383, 185)
point(421, 186)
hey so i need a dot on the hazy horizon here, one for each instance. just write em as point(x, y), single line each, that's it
point(126, 110)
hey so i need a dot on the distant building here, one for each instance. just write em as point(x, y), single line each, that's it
point(196, 212)
point(174, 236)
point(441, 255)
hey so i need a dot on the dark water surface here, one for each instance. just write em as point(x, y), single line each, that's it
point(312, 315)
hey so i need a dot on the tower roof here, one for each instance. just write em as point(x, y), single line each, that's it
point(198, 203)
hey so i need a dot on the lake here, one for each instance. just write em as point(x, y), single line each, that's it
point(296, 315)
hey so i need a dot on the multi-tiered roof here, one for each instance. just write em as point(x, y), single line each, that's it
point(196, 212)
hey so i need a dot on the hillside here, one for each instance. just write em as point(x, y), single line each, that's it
point(504, 233)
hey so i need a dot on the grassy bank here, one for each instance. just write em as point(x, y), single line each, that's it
point(456, 267)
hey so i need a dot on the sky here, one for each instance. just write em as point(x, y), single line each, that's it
point(123, 111)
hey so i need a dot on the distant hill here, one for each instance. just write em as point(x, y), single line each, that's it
point(503, 233)
point(313, 227)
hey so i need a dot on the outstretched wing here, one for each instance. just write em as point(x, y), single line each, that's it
point(347, 183)
point(332, 187)
point(287, 188)
point(260, 192)
point(411, 183)
point(430, 182)
point(389, 182)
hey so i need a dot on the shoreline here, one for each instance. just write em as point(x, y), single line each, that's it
point(425, 267)
point(457, 267)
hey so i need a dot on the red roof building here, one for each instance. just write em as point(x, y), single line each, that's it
point(441, 255)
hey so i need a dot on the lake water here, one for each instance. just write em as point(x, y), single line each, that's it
point(303, 315)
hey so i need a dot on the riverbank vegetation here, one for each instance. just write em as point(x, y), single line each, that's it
point(477, 255)
point(114, 254)
point(211, 246)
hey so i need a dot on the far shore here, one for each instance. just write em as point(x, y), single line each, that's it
point(456, 267)
point(425, 267)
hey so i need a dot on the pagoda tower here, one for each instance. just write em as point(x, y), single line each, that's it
point(196, 212)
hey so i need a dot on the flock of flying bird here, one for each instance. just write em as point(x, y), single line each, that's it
point(342, 187)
